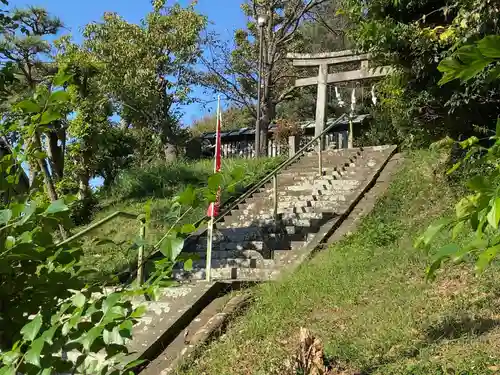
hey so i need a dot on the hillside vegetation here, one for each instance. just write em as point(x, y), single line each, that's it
point(367, 299)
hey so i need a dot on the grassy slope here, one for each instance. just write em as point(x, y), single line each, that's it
point(366, 298)
point(159, 183)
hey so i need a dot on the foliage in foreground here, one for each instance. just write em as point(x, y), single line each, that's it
point(53, 320)
point(480, 209)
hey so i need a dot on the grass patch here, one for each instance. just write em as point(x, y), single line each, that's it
point(367, 299)
point(158, 183)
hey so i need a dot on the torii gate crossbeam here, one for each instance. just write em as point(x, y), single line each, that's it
point(323, 61)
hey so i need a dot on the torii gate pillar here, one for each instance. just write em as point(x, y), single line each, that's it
point(321, 102)
point(323, 61)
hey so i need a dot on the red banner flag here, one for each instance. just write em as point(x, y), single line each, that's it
point(213, 208)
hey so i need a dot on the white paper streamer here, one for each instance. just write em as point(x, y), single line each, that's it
point(339, 98)
point(374, 98)
point(353, 100)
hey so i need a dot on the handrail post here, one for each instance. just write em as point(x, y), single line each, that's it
point(275, 198)
point(140, 254)
point(210, 238)
point(320, 158)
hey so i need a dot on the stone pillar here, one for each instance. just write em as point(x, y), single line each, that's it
point(321, 101)
point(293, 145)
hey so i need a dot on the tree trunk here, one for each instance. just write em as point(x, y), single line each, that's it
point(268, 114)
point(56, 156)
point(84, 190)
point(170, 152)
point(49, 182)
point(42, 164)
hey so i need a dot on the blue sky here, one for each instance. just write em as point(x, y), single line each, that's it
point(225, 16)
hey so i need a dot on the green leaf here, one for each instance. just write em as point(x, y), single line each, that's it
point(464, 207)
point(50, 116)
point(5, 216)
point(59, 97)
point(28, 211)
point(133, 364)
point(30, 330)
point(490, 46)
point(214, 181)
point(188, 228)
point(79, 299)
point(454, 167)
point(172, 247)
point(126, 328)
point(88, 338)
point(139, 312)
point(442, 254)
point(457, 229)
point(474, 69)
point(431, 232)
point(7, 370)
point(56, 206)
point(112, 337)
point(188, 265)
point(29, 106)
point(104, 241)
point(187, 197)
point(33, 354)
point(479, 184)
point(494, 214)
point(8, 358)
point(498, 128)
point(49, 334)
point(61, 78)
point(110, 302)
point(486, 257)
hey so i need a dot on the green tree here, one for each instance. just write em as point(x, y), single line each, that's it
point(145, 67)
point(91, 117)
point(414, 36)
point(234, 72)
point(24, 50)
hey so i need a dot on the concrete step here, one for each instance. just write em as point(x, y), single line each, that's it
point(247, 247)
point(336, 206)
point(242, 222)
point(228, 273)
point(235, 262)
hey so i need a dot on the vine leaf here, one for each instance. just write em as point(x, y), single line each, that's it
point(33, 354)
point(431, 232)
point(494, 214)
point(30, 330)
point(5, 216)
point(486, 257)
point(56, 207)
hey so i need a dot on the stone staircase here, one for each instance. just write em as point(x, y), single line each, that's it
point(249, 244)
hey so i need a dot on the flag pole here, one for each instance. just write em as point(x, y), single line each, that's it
point(212, 210)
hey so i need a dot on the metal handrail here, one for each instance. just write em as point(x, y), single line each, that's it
point(142, 235)
point(270, 175)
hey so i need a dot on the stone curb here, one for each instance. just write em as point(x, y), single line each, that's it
point(211, 330)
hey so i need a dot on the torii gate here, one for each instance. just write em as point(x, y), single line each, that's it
point(323, 61)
